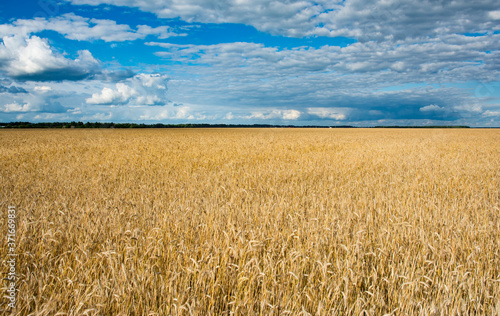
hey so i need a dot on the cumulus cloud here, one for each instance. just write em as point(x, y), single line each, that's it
point(329, 113)
point(36, 99)
point(20, 106)
point(16, 107)
point(120, 95)
point(175, 113)
point(291, 114)
point(494, 15)
point(275, 114)
point(43, 89)
point(432, 108)
point(32, 58)
point(491, 113)
point(79, 28)
point(142, 89)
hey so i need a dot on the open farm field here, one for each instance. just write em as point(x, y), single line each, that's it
point(253, 221)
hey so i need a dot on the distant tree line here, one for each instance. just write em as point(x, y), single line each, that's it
point(430, 126)
point(135, 125)
point(161, 125)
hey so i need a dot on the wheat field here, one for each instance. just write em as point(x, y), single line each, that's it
point(253, 221)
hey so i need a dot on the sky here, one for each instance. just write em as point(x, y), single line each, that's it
point(323, 62)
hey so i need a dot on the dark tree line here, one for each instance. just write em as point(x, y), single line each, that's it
point(135, 125)
point(161, 125)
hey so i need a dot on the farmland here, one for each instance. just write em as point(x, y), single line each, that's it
point(253, 221)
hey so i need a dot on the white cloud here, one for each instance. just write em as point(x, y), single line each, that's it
point(43, 89)
point(31, 58)
point(292, 18)
point(275, 115)
point(448, 55)
point(154, 81)
point(121, 95)
point(491, 113)
point(494, 15)
point(291, 114)
point(142, 89)
point(329, 113)
point(16, 107)
point(361, 19)
point(84, 29)
point(172, 113)
point(41, 99)
point(183, 113)
point(432, 108)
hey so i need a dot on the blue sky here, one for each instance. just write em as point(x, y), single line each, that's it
point(322, 62)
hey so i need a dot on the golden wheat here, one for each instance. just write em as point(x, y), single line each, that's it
point(254, 221)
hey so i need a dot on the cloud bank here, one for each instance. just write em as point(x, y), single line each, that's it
point(361, 19)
